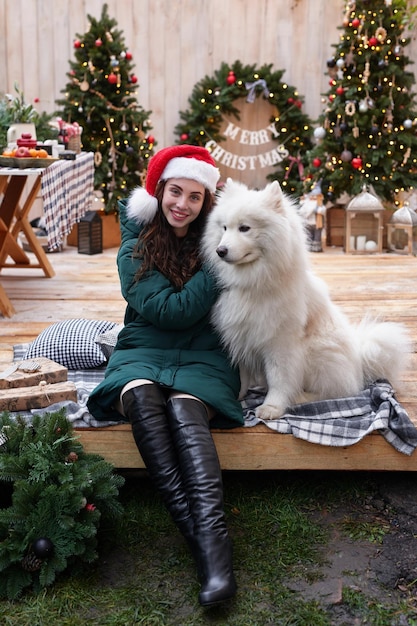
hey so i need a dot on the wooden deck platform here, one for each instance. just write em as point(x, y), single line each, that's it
point(88, 286)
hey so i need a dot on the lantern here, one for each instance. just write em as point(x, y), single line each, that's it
point(402, 231)
point(364, 224)
point(90, 234)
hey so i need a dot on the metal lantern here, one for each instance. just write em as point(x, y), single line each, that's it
point(90, 234)
point(364, 224)
point(402, 231)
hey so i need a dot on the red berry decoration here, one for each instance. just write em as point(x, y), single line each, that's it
point(290, 101)
point(98, 43)
point(357, 163)
point(316, 162)
point(112, 78)
point(77, 43)
point(133, 79)
point(231, 78)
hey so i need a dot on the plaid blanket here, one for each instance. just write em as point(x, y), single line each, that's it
point(67, 193)
point(341, 422)
point(344, 421)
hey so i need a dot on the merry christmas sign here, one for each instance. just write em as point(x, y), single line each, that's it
point(251, 148)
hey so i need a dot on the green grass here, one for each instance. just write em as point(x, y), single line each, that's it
point(145, 574)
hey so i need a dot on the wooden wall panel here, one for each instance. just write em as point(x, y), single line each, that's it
point(174, 45)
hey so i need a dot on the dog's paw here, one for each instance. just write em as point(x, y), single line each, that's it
point(268, 412)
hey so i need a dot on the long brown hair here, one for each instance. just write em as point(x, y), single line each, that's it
point(177, 258)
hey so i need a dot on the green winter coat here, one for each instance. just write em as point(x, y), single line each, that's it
point(168, 339)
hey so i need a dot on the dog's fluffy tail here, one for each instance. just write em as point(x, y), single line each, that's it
point(385, 348)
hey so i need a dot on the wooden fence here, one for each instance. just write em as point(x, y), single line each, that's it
point(175, 43)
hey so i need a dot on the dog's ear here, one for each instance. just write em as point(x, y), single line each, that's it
point(275, 196)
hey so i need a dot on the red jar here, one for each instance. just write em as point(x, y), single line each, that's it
point(26, 141)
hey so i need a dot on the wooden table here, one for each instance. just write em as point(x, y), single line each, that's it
point(66, 188)
point(14, 219)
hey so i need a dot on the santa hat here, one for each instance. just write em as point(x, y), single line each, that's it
point(193, 162)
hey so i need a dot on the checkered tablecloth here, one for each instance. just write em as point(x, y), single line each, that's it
point(67, 193)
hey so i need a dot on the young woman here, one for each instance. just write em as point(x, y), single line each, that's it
point(169, 375)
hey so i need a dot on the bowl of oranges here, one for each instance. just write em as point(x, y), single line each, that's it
point(23, 157)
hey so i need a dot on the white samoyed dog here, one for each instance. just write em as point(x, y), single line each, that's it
point(275, 316)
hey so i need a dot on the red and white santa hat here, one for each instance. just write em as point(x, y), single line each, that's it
point(184, 161)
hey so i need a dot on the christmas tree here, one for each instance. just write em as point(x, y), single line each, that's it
point(100, 97)
point(367, 134)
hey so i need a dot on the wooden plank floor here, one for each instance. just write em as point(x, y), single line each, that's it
point(88, 286)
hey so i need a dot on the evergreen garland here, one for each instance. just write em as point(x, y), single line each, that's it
point(58, 497)
point(215, 96)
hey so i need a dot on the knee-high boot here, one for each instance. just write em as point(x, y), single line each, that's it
point(202, 480)
point(145, 407)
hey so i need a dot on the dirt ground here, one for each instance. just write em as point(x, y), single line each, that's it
point(384, 569)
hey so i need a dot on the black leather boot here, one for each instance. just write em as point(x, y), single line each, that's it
point(202, 480)
point(145, 407)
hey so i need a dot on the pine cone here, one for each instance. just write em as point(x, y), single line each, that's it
point(31, 563)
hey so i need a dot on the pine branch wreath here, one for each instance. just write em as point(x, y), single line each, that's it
point(58, 496)
point(217, 95)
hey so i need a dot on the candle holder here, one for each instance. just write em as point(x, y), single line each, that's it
point(402, 231)
point(364, 224)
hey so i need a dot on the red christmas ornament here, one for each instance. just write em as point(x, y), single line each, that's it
point(316, 162)
point(133, 79)
point(298, 104)
point(290, 101)
point(98, 43)
point(332, 82)
point(373, 41)
point(112, 78)
point(128, 56)
point(184, 137)
point(332, 97)
point(231, 79)
point(357, 163)
point(150, 139)
point(340, 91)
point(356, 22)
point(77, 43)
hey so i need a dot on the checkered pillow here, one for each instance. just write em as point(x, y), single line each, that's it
point(108, 340)
point(71, 343)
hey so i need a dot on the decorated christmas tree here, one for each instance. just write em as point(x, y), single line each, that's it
point(366, 135)
point(219, 95)
point(100, 97)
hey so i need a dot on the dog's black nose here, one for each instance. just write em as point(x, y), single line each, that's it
point(221, 251)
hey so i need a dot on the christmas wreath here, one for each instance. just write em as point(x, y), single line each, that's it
point(56, 497)
point(215, 96)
